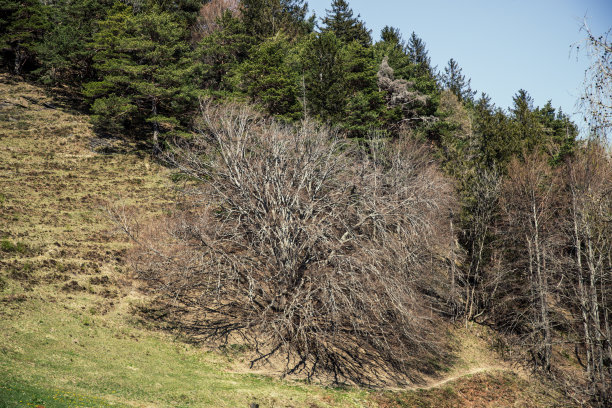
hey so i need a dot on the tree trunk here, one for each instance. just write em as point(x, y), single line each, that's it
point(155, 125)
point(594, 307)
point(19, 59)
point(588, 341)
point(541, 291)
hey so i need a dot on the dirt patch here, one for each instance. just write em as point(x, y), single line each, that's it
point(14, 298)
point(73, 286)
point(109, 293)
point(100, 280)
point(483, 390)
point(55, 277)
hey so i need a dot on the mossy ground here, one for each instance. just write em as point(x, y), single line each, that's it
point(69, 336)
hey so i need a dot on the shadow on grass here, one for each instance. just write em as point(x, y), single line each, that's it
point(16, 393)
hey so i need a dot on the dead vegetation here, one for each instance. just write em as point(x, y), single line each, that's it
point(53, 185)
point(310, 248)
point(209, 15)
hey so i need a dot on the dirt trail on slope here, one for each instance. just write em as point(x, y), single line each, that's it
point(475, 355)
point(464, 374)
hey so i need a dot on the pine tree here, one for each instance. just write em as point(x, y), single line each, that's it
point(542, 129)
point(419, 56)
point(404, 103)
point(221, 52)
point(422, 75)
point(558, 132)
point(63, 52)
point(144, 65)
point(184, 10)
point(323, 76)
point(347, 28)
point(364, 111)
point(270, 81)
point(393, 47)
point(265, 18)
point(392, 35)
point(411, 98)
point(495, 134)
point(522, 113)
point(454, 81)
point(22, 26)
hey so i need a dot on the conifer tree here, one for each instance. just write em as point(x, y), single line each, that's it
point(221, 52)
point(495, 134)
point(365, 103)
point(22, 25)
point(347, 28)
point(527, 127)
point(419, 56)
point(393, 47)
point(399, 57)
point(558, 131)
point(541, 128)
point(265, 18)
point(184, 10)
point(143, 62)
point(392, 35)
point(454, 80)
point(270, 81)
point(63, 52)
point(323, 75)
point(404, 102)
point(422, 74)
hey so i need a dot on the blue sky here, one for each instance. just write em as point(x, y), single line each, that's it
point(502, 46)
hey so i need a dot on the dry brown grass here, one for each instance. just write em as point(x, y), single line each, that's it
point(54, 183)
point(66, 295)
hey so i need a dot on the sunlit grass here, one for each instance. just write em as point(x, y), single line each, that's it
point(69, 336)
point(65, 348)
point(15, 394)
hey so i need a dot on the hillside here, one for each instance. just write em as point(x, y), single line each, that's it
point(70, 334)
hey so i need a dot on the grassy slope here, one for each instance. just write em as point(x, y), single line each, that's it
point(68, 336)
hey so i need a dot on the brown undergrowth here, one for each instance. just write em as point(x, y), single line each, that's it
point(67, 296)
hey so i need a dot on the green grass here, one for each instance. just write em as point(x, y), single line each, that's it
point(67, 330)
point(68, 333)
point(8, 246)
point(13, 393)
point(66, 349)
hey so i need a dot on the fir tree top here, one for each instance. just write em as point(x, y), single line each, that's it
point(347, 28)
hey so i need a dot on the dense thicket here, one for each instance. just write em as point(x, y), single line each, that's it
point(320, 252)
point(532, 219)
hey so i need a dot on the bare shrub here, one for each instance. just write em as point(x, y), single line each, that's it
point(588, 179)
point(308, 247)
point(209, 14)
point(401, 94)
point(531, 227)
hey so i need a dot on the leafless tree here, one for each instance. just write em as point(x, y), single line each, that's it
point(589, 182)
point(531, 243)
point(400, 93)
point(209, 14)
point(596, 100)
point(484, 191)
point(308, 247)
